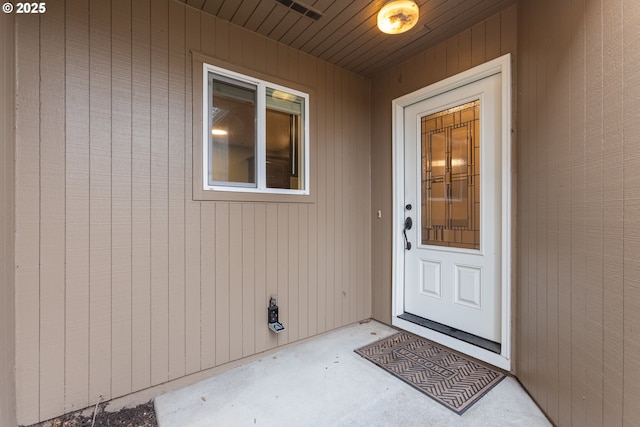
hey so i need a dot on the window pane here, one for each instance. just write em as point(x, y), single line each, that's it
point(284, 140)
point(232, 120)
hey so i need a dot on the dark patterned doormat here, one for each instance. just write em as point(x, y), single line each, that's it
point(452, 380)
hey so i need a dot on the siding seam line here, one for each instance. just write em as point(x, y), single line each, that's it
point(111, 202)
point(64, 307)
point(39, 216)
point(131, 97)
point(89, 203)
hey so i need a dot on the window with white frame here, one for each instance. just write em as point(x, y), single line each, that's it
point(256, 135)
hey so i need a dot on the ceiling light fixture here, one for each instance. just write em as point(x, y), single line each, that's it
point(398, 16)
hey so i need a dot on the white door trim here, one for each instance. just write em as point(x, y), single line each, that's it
point(500, 65)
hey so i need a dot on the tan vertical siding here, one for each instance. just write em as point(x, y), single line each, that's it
point(613, 205)
point(631, 212)
point(121, 198)
point(494, 35)
point(478, 39)
point(122, 280)
point(52, 237)
point(483, 42)
point(364, 270)
point(303, 271)
point(338, 183)
point(221, 273)
point(27, 216)
point(159, 192)
point(236, 231)
point(594, 214)
point(100, 224)
point(177, 160)
point(578, 278)
point(261, 297)
point(322, 205)
point(140, 197)
point(193, 231)
point(7, 193)
point(522, 127)
point(329, 307)
point(293, 268)
point(281, 245)
point(564, 222)
point(247, 290)
point(77, 206)
point(207, 296)
point(271, 246)
point(577, 215)
point(464, 49)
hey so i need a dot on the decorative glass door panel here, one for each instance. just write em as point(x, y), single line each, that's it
point(450, 159)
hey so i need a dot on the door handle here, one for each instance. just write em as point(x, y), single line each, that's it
point(408, 223)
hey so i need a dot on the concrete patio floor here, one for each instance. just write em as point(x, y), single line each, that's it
point(322, 382)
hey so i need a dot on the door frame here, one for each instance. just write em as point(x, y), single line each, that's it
point(502, 66)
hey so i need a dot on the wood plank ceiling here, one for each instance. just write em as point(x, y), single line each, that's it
point(346, 34)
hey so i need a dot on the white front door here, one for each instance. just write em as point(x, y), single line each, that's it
point(452, 197)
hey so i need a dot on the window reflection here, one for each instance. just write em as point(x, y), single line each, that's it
point(233, 131)
point(284, 140)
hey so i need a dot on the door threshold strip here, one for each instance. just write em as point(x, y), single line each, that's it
point(484, 343)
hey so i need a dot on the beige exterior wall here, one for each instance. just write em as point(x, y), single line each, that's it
point(487, 40)
point(123, 281)
point(579, 209)
point(7, 144)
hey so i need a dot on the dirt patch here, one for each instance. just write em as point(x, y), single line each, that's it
point(140, 416)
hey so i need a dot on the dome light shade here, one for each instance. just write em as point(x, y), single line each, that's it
point(398, 16)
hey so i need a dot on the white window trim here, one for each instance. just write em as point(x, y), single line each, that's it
point(261, 86)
